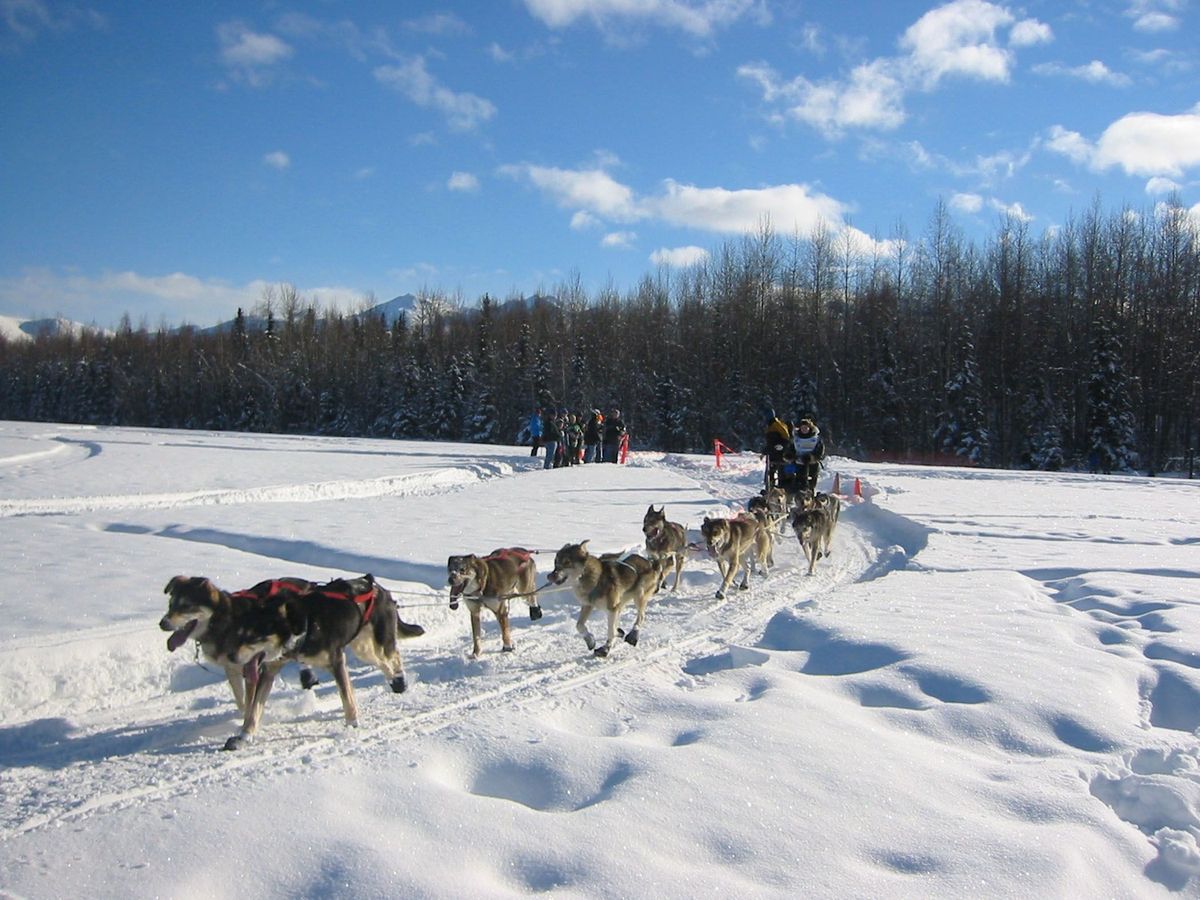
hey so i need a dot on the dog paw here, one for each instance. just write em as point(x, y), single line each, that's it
point(720, 595)
point(237, 742)
point(535, 613)
point(507, 649)
point(601, 652)
point(399, 684)
point(632, 638)
point(590, 641)
point(308, 679)
point(454, 604)
point(620, 632)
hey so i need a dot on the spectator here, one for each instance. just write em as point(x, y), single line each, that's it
point(614, 434)
point(574, 439)
point(535, 431)
point(592, 436)
point(551, 436)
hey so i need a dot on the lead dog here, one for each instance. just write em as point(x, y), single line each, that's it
point(814, 530)
point(491, 581)
point(315, 628)
point(776, 503)
point(666, 541)
point(201, 611)
point(610, 581)
point(736, 544)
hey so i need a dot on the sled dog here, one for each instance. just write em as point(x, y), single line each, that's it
point(315, 628)
point(735, 543)
point(609, 582)
point(665, 541)
point(776, 503)
point(814, 530)
point(200, 611)
point(491, 581)
point(829, 502)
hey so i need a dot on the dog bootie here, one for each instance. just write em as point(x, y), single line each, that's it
point(308, 679)
point(535, 613)
point(399, 684)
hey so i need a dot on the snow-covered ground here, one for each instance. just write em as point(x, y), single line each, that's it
point(991, 689)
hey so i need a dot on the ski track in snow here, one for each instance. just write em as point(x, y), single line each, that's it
point(58, 770)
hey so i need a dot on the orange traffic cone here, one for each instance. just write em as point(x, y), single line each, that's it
point(837, 483)
point(858, 488)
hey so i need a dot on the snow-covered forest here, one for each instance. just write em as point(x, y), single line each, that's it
point(1076, 348)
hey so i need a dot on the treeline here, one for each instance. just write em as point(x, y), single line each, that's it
point(1079, 346)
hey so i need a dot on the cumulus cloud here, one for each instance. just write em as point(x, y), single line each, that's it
point(1016, 210)
point(678, 257)
point(462, 181)
point(1140, 143)
point(592, 191)
point(963, 38)
point(1157, 186)
point(277, 160)
point(463, 111)
point(698, 19)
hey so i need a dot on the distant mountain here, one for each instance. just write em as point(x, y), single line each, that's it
point(392, 309)
point(15, 329)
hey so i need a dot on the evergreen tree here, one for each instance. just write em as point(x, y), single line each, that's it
point(1042, 447)
point(1111, 431)
point(885, 409)
point(961, 427)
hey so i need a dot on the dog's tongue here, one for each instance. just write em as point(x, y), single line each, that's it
point(250, 669)
point(457, 589)
point(177, 638)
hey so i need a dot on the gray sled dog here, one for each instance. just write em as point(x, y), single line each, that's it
point(665, 541)
point(777, 505)
point(200, 611)
point(609, 582)
point(736, 544)
point(315, 628)
point(814, 530)
point(490, 582)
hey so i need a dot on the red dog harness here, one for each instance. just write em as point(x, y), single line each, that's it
point(365, 600)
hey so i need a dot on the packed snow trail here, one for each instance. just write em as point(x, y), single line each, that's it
point(63, 768)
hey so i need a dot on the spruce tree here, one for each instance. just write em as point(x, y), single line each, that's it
point(1111, 432)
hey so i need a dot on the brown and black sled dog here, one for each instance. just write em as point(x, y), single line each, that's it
point(737, 543)
point(491, 581)
point(201, 611)
point(315, 628)
point(666, 541)
point(609, 582)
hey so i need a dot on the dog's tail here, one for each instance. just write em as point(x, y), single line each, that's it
point(407, 629)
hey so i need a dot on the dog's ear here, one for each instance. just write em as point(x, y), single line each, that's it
point(369, 579)
point(171, 585)
point(583, 545)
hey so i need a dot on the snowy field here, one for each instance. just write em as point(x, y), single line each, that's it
point(991, 689)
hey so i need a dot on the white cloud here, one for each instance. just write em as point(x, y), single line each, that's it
point(698, 19)
point(277, 160)
point(1029, 32)
point(1155, 22)
point(1158, 186)
point(104, 298)
point(621, 240)
point(961, 38)
point(593, 191)
point(463, 111)
point(872, 97)
point(499, 54)
point(967, 203)
point(463, 181)
point(1095, 72)
point(595, 196)
point(1016, 210)
point(678, 257)
point(27, 20)
point(1070, 144)
point(1140, 143)
point(249, 55)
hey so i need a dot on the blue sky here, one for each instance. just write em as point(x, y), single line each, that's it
point(170, 160)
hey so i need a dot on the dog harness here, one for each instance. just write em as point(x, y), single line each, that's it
point(518, 553)
point(274, 589)
point(365, 601)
